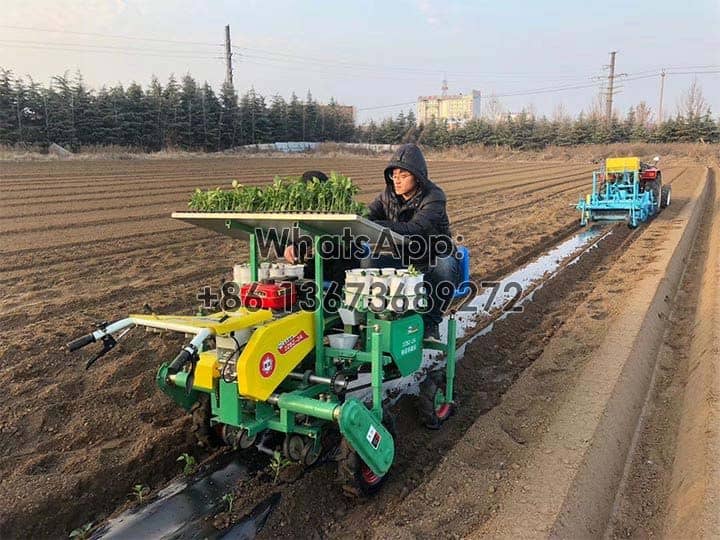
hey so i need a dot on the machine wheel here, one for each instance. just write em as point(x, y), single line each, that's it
point(433, 408)
point(205, 434)
point(356, 477)
point(656, 189)
point(312, 450)
point(665, 196)
point(293, 446)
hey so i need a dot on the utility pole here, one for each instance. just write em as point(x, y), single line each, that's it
point(662, 89)
point(228, 57)
point(611, 84)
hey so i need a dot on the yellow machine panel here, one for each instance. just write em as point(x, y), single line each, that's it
point(274, 350)
point(206, 370)
point(616, 165)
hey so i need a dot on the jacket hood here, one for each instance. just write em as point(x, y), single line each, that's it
point(408, 157)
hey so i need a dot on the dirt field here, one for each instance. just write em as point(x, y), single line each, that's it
point(90, 241)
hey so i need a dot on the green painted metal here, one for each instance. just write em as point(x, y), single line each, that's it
point(377, 373)
point(402, 339)
point(367, 436)
point(176, 393)
point(451, 358)
point(229, 410)
point(253, 258)
point(320, 364)
point(325, 410)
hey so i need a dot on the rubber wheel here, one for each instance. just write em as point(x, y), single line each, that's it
point(656, 188)
point(432, 407)
point(665, 196)
point(311, 451)
point(357, 479)
point(205, 435)
point(293, 446)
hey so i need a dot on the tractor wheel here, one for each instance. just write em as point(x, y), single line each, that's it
point(665, 196)
point(433, 408)
point(357, 479)
point(206, 435)
point(656, 189)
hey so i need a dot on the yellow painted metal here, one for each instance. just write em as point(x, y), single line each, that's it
point(206, 371)
point(221, 322)
point(274, 350)
point(616, 165)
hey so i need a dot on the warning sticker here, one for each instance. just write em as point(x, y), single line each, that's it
point(290, 342)
point(373, 437)
point(267, 364)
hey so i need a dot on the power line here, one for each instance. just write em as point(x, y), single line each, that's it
point(131, 53)
point(292, 58)
point(116, 36)
point(631, 77)
point(84, 46)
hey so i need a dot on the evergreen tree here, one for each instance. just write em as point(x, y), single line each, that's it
point(9, 128)
point(296, 118)
point(229, 116)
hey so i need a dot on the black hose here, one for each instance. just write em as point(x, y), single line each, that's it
point(236, 352)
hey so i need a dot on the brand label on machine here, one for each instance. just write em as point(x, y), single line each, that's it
point(288, 343)
point(373, 437)
point(267, 364)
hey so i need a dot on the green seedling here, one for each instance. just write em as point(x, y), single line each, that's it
point(189, 463)
point(336, 195)
point(82, 533)
point(229, 498)
point(277, 464)
point(139, 491)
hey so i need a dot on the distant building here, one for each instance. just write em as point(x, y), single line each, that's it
point(346, 111)
point(456, 109)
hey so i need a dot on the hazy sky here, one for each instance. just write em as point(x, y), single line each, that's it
point(372, 54)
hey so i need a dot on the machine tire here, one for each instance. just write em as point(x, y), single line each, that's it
point(432, 389)
point(293, 447)
point(205, 435)
point(356, 478)
point(665, 196)
point(656, 187)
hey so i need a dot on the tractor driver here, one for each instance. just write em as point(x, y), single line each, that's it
point(413, 206)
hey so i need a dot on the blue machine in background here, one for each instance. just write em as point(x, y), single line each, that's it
point(627, 190)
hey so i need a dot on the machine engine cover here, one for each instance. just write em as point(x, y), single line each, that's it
point(268, 295)
point(273, 351)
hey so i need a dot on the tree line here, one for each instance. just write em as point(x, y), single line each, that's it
point(186, 115)
point(181, 114)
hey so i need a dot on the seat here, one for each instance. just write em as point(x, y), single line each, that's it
point(463, 288)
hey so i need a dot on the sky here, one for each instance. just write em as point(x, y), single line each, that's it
point(380, 55)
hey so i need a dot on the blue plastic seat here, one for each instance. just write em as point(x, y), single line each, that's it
point(463, 288)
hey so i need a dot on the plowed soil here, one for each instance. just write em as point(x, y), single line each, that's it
point(89, 241)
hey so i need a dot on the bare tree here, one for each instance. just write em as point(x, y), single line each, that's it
point(692, 103)
point(560, 113)
point(596, 111)
point(493, 109)
point(643, 114)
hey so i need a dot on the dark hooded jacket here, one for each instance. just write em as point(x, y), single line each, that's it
point(424, 216)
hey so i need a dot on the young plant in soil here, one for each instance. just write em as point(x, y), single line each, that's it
point(139, 492)
point(277, 464)
point(189, 463)
point(82, 533)
point(229, 498)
